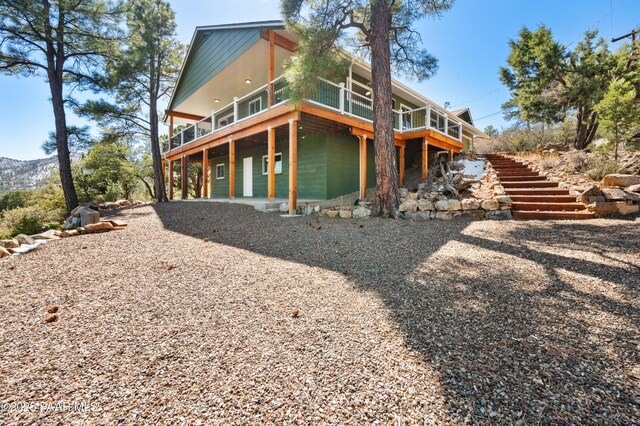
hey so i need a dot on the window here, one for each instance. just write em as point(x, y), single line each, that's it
point(223, 121)
point(255, 106)
point(265, 163)
point(219, 171)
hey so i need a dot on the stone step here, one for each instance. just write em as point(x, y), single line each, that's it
point(547, 206)
point(552, 215)
point(530, 184)
point(543, 198)
point(521, 178)
point(536, 191)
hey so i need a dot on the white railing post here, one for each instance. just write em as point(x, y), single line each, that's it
point(341, 103)
point(235, 109)
point(446, 125)
point(428, 125)
point(213, 121)
point(182, 137)
point(401, 116)
point(460, 131)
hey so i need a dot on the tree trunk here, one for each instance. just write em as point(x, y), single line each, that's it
point(586, 127)
point(158, 181)
point(62, 145)
point(387, 197)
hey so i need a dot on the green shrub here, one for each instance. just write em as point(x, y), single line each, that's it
point(23, 220)
point(599, 166)
point(14, 199)
point(113, 192)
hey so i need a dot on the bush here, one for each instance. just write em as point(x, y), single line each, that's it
point(113, 192)
point(14, 199)
point(23, 220)
point(600, 166)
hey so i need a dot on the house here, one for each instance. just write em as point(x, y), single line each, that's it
point(231, 103)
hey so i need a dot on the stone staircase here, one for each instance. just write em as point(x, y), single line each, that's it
point(535, 197)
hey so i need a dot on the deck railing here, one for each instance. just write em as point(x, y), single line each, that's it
point(328, 95)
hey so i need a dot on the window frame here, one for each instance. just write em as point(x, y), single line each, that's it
point(258, 101)
point(265, 162)
point(220, 166)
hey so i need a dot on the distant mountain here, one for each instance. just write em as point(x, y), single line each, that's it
point(30, 174)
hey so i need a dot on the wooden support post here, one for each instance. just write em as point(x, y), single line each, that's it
point(171, 183)
point(170, 129)
point(425, 159)
point(232, 169)
point(271, 163)
point(401, 161)
point(205, 173)
point(363, 167)
point(451, 155)
point(185, 177)
point(293, 166)
point(271, 74)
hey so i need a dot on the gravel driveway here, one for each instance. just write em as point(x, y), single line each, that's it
point(187, 316)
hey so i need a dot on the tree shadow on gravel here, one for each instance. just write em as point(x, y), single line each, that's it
point(518, 334)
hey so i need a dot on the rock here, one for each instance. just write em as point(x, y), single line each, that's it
point(4, 253)
point(421, 216)
point(424, 205)
point(490, 205)
point(345, 214)
point(498, 214)
point(409, 206)
point(504, 199)
point(71, 223)
point(499, 190)
point(48, 235)
point(361, 212)
point(24, 239)
point(411, 196)
point(611, 194)
point(471, 204)
point(445, 215)
point(632, 196)
point(100, 226)
point(472, 214)
point(307, 210)
point(316, 209)
point(403, 192)
point(590, 191)
point(123, 203)
point(332, 214)
point(448, 205)
point(284, 207)
point(9, 243)
point(89, 216)
point(633, 188)
point(70, 233)
point(605, 208)
point(617, 179)
point(624, 208)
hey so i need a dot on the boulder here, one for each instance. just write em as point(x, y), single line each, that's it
point(123, 203)
point(490, 205)
point(100, 226)
point(307, 210)
point(4, 253)
point(589, 192)
point(345, 214)
point(70, 233)
point(504, 199)
point(605, 208)
point(409, 206)
point(632, 196)
point(624, 208)
point(424, 205)
point(9, 243)
point(499, 190)
point(471, 204)
point(448, 205)
point(403, 192)
point(445, 215)
point(24, 239)
point(411, 196)
point(89, 216)
point(48, 235)
point(633, 188)
point(421, 216)
point(618, 179)
point(611, 194)
point(498, 214)
point(332, 214)
point(472, 214)
point(361, 212)
point(284, 207)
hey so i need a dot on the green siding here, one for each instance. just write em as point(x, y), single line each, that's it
point(343, 171)
point(211, 53)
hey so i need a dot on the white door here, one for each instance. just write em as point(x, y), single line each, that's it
point(247, 177)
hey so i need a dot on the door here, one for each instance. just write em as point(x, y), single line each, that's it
point(247, 177)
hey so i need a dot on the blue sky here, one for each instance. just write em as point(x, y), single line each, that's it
point(470, 42)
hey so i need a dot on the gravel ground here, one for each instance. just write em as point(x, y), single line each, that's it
point(187, 316)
